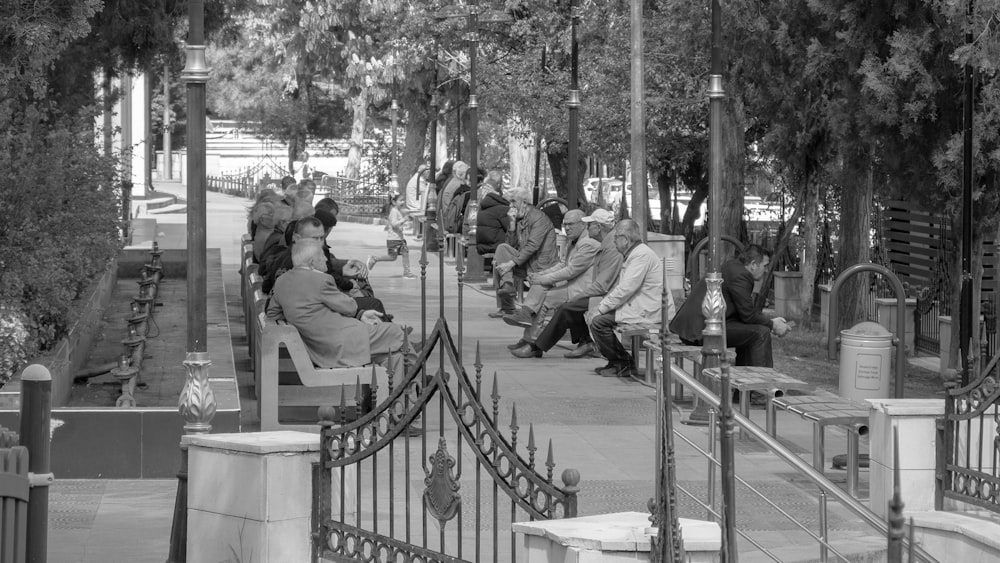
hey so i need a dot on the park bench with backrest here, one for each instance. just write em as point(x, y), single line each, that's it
point(286, 377)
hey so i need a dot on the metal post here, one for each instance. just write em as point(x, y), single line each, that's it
point(36, 414)
point(195, 75)
point(168, 156)
point(197, 406)
point(965, 327)
point(727, 455)
point(473, 105)
point(572, 168)
point(640, 200)
point(393, 163)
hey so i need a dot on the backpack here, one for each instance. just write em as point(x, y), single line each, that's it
point(455, 214)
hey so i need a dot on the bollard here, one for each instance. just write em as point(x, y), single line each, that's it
point(36, 416)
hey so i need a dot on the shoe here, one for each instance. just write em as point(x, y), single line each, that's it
point(409, 276)
point(522, 318)
point(604, 367)
point(506, 288)
point(527, 351)
point(370, 263)
point(581, 351)
point(517, 344)
point(616, 370)
point(500, 313)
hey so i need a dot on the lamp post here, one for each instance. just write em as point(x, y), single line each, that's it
point(572, 169)
point(965, 328)
point(393, 163)
point(639, 200)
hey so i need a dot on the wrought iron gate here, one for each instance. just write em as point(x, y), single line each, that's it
point(372, 460)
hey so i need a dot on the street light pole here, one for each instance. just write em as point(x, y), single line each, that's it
point(572, 169)
point(965, 328)
point(393, 163)
point(473, 105)
point(639, 200)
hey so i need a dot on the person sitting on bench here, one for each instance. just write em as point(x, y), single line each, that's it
point(335, 331)
point(535, 251)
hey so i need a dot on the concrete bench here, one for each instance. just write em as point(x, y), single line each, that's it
point(294, 381)
point(746, 380)
point(823, 411)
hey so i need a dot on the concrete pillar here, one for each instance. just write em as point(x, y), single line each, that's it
point(824, 307)
point(252, 494)
point(787, 300)
point(886, 308)
point(671, 249)
point(609, 538)
point(915, 419)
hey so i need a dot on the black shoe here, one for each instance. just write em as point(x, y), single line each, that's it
point(517, 344)
point(617, 370)
point(582, 351)
point(604, 367)
point(522, 318)
point(500, 313)
point(527, 351)
point(506, 288)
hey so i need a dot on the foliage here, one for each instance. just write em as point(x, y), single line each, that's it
point(59, 200)
point(13, 343)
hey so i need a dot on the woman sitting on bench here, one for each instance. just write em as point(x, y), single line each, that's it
point(336, 333)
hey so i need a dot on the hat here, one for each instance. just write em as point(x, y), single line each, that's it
point(421, 168)
point(602, 216)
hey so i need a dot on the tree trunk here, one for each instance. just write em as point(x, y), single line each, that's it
point(664, 181)
point(359, 104)
point(521, 145)
point(414, 143)
point(558, 164)
point(734, 155)
point(855, 242)
point(810, 259)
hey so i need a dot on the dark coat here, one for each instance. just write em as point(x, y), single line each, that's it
point(492, 223)
point(737, 290)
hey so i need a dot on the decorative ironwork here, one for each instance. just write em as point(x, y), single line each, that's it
point(441, 497)
point(713, 308)
point(352, 447)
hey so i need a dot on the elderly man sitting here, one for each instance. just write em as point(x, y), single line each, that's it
point(634, 299)
point(335, 331)
point(535, 251)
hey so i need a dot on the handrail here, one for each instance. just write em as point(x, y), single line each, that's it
point(820, 480)
point(692, 266)
point(900, 338)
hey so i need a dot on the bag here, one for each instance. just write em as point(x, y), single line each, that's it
point(455, 214)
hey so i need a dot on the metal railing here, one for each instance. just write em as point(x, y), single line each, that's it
point(826, 490)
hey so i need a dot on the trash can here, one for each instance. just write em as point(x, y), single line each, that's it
point(865, 356)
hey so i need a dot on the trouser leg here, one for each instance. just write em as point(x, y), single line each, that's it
point(752, 343)
point(505, 253)
point(602, 327)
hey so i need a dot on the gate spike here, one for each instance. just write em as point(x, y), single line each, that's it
point(357, 392)
point(343, 405)
point(478, 364)
point(550, 463)
point(513, 427)
point(496, 398)
point(374, 386)
point(531, 445)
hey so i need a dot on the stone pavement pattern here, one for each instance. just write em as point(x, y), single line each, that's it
point(602, 427)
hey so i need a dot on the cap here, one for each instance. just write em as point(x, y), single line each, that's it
point(602, 216)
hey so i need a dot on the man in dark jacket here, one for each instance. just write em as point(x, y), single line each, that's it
point(492, 223)
point(747, 329)
point(536, 250)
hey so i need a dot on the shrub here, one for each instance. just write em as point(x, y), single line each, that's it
point(59, 218)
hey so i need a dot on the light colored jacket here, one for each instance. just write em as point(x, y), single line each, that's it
point(579, 261)
point(636, 298)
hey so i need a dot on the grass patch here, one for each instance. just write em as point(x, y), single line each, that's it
point(802, 355)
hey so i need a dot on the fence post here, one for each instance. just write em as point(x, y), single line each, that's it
point(36, 415)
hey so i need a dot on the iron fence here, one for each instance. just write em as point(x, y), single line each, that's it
point(247, 181)
point(364, 197)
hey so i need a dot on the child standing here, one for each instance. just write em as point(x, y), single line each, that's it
point(395, 242)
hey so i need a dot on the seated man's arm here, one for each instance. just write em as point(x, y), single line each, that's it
point(274, 311)
point(537, 231)
point(337, 300)
point(628, 284)
point(608, 266)
point(579, 260)
point(740, 289)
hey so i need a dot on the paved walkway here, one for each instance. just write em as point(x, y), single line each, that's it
point(602, 427)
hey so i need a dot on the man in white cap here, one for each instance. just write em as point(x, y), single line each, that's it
point(599, 277)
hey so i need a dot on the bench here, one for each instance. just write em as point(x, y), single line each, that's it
point(746, 380)
point(823, 411)
point(633, 336)
point(293, 381)
point(475, 264)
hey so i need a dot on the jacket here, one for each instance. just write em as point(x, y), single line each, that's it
point(324, 316)
point(492, 223)
point(604, 271)
point(536, 242)
point(579, 260)
point(637, 297)
point(737, 290)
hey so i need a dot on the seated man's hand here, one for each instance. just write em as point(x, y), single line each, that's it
point(780, 327)
point(505, 267)
point(371, 317)
point(355, 269)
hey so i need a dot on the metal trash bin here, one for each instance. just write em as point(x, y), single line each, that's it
point(865, 358)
